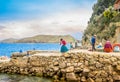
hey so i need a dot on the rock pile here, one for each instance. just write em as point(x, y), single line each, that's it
point(74, 67)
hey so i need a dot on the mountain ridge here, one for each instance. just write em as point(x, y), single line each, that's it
point(40, 39)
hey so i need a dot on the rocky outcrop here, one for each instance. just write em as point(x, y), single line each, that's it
point(74, 67)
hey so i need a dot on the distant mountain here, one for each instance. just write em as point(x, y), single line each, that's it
point(41, 39)
point(10, 40)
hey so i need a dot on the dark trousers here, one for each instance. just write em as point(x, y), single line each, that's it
point(93, 46)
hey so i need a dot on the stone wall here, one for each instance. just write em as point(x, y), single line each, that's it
point(73, 67)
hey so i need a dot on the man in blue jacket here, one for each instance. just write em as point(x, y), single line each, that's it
point(93, 40)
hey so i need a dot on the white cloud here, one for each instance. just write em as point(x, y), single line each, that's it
point(58, 23)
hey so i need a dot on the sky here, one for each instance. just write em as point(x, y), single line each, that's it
point(26, 18)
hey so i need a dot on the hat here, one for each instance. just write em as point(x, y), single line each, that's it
point(95, 35)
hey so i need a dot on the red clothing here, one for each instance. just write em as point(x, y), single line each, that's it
point(108, 47)
point(63, 42)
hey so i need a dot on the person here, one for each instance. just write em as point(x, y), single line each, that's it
point(71, 45)
point(99, 45)
point(93, 40)
point(75, 44)
point(28, 53)
point(63, 47)
point(116, 47)
point(20, 51)
point(33, 48)
point(108, 47)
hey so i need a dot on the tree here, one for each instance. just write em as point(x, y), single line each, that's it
point(110, 13)
point(100, 7)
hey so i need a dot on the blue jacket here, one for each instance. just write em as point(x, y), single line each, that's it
point(93, 40)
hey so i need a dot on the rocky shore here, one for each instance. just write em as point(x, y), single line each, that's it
point(70, 67)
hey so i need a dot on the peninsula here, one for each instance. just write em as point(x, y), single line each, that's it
point(40, 39)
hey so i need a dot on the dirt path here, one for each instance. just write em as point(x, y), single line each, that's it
point(95, 52)
point(57, 53)
point(75, 51)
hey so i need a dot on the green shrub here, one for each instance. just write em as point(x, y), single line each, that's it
point(112, 30)
point(116, 18)
point(110, 13)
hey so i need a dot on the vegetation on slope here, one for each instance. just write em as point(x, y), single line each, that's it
point(10, 40)
point(100, 21)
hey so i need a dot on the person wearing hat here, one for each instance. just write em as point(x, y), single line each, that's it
point(93, 40)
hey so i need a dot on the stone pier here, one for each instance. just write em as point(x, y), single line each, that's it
point(69, 67)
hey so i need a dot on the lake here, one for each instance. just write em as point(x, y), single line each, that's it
point(6, 49)
point(21, 78)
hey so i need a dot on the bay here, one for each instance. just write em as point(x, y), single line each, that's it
point(6, 49)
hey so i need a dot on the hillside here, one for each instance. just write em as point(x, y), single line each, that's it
point(10, 40)
point(104, 24)
point(42, 39)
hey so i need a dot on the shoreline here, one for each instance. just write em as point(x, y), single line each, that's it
point(71, 66)
point(54, 53)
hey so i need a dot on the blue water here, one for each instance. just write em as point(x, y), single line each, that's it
point(6, 49)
